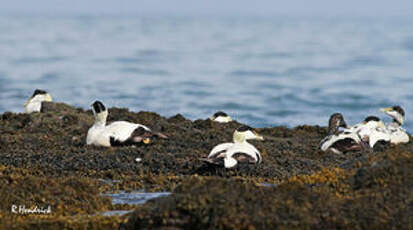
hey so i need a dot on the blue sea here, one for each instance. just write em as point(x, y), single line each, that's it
point(262, 71)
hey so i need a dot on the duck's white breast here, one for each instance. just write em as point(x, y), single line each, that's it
point(96, 135)
point(33, 106)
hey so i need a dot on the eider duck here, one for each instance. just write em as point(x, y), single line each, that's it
point(221, 117)
point(340, 141)
point(395, 130)
point(34, 103)
point(372, 130)
point(240, 151)
point(118, 133)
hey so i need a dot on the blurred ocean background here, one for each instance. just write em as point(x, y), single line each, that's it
point(265, 71)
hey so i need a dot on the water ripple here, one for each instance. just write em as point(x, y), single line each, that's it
point(38, 60)
point(254, 73)
point(144, 71)
point(261, 72)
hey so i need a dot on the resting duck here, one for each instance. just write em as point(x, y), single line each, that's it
point(397, 133)
point(34, 103)
point(340, 141)
point(221, 117)
point(240, 151)
point(118, 133)
point(372, 130)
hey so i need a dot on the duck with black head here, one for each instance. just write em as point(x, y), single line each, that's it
point(221, 117)
point(239, 151)
point(34, 103)
point(118, 133)
point(397, 133)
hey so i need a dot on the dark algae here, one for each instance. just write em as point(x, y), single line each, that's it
point(44, 162)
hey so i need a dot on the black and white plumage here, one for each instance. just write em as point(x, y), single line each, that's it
point(34, 103)
point(372, 130)
point(240, 151)
point(365, 126)
point(118, 133)
point(397, 133)
point(340, 141)
point(221, 117)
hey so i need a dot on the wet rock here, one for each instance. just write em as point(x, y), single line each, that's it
point(178, 119)
point(322, 200)
point(49, 107)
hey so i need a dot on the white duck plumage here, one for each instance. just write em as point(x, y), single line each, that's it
point(397, 133)
point(365, 127)
point(230, 154)
point(376, 135)
point(34, 103)
point(372, 131)
point(117, 133)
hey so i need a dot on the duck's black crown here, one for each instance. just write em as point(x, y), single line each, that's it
point(371, 118)
point(38, 92)
point(98, 106)
point(398, 109)
point(220, 114)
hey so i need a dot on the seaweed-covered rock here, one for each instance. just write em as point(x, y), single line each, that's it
point(324, 200)
point(45, 155)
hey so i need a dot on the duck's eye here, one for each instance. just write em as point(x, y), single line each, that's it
point(139, 131)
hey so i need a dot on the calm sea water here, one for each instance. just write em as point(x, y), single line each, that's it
point(263, 72)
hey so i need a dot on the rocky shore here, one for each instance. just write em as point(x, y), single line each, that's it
point(44, 162)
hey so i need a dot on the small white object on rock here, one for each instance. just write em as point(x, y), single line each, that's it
point(138, 159)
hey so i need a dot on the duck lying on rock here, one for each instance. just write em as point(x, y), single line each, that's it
point(371, 131)
point(118, 133)
point(397, 133)
point(340, 141)
point(240, 151)
point(34, 103)
point(221, 117)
